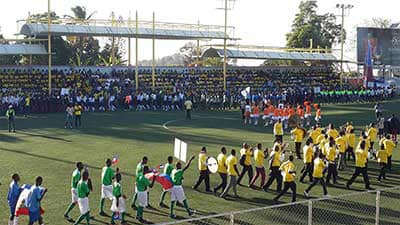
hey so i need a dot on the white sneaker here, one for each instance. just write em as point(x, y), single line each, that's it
point(306, 194)
point(326, 196)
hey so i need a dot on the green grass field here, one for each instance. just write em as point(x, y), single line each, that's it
point(43, 147)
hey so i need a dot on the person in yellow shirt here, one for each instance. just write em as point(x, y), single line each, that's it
point(318, 174)
point(372, 134)
point(278, 131)
point(331, 158)
point(204, 173)
point(231, 163)
point(298, 135)
point(274, 164)
point(332, 132)
point(288, 170)
point(308, 158)
point(259, 156)
point(382, 157)
point(342, 146)
point(389, 146)
point(222, 170)
point(323, 143)
point(361, 166)
point(188, 105)
point(78, 114)
point(246, 154)
point(314, 133)
point(351, 144)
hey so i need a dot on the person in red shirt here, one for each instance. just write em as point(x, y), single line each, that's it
point(300, 113)
point(307, 115)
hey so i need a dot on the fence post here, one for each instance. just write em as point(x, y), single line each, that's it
point(310, 214)
point(232, 219)
point(378, 206)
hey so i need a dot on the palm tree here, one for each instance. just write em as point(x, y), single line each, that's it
point(80, 14)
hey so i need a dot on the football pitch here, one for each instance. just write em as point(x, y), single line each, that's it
point(43, 147)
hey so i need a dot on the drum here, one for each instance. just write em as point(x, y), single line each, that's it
point(212, 165)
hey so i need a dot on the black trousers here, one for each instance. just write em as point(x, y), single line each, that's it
point(332, 172)
point(350, 153)
point(286, 187)
point(279, 138)
point(224, 182)
point(308, 170)
point(204, 176)
point(389, 164)
point(11, 124)
point(382, 172)
point(188, 115)
point(298, 148)
point(249, 170)
point(315, 182)
point(364, 172)
point(274, 174)
point(78, 122)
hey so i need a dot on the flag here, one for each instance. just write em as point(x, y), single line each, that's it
point(115, 159)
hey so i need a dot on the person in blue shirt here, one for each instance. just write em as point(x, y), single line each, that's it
point(34, 202)
point(12, 197)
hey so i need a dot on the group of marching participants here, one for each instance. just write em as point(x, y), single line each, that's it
point(325, 153)
point(301, 114)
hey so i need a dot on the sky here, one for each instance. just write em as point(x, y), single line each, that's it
point(257, 22)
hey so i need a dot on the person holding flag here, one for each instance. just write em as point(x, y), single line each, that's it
point(168, 167)
point(36, 195)
point(118, 202)
point(76, 177)
point(139, 170)
point(12, 197)
point(107, 176)
point(177, 193)
point(84, 189)
point(142, 184)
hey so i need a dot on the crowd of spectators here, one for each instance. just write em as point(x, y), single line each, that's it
point(101, 89)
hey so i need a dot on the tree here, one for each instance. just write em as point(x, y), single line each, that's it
point(307, 25)
point(377, 22)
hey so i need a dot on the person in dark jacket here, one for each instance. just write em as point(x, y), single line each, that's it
point(394, 125)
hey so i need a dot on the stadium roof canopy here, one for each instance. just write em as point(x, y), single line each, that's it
point(22, 49)
point(272, 55)
point(176, 33)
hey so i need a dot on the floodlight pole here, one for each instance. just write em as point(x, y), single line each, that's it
point(153, 63)
point(225, 39)
point(129, 41)
point(342, 48)
point(49, 44)
point(198, 44)
point(137, 53)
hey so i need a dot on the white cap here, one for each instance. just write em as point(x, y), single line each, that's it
point(10, 106)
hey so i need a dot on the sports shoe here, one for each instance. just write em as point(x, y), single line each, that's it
point(306, 194)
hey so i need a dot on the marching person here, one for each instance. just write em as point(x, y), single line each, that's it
point(389, 146)
point(372, 134)
point(142, 184)
point(10, 114)
point(203, 170)
point(139, 170)
point(76, 177)
point(382, 157)
point(278, 131)
point(168, 167)
point(107, 176)
point(331, 158)
point(246, 154)
point(34, 201)
point(84, 188)
point(318, 175)
point(188, 105)
point(351, 144)
point(298, 135)
point(259, 156)
point(14, 191)
point(222, 171)
point(78, 114)
point(233, 172)
point(288, 170)
point(177, 193)
point(118, 202)
point(308, 158)
point(274, 165)
point(361, 166)
point(342, 146)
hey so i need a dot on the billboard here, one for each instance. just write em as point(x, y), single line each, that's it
point(379, 45)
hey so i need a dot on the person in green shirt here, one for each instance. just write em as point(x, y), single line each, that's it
point(142, 183)
point(168, 167)
point(118, 204)
point(83, 188)
point(76, 177)
point(177, 193)
point(139, 170)
point(107, 176)
point(10, 114)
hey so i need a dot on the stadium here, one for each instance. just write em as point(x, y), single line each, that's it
point(108, 118)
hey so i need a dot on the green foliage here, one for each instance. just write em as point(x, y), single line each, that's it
point(322, 29)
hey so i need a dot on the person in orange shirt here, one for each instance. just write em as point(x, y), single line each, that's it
point(300, 113)
point(255, 114)
point(307, 115)
point(285, 118)
point(318, 115)
point(276, 116)
point(266, 117)
point(292, 112)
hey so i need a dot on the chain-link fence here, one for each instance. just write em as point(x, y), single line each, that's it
point(380, 207)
